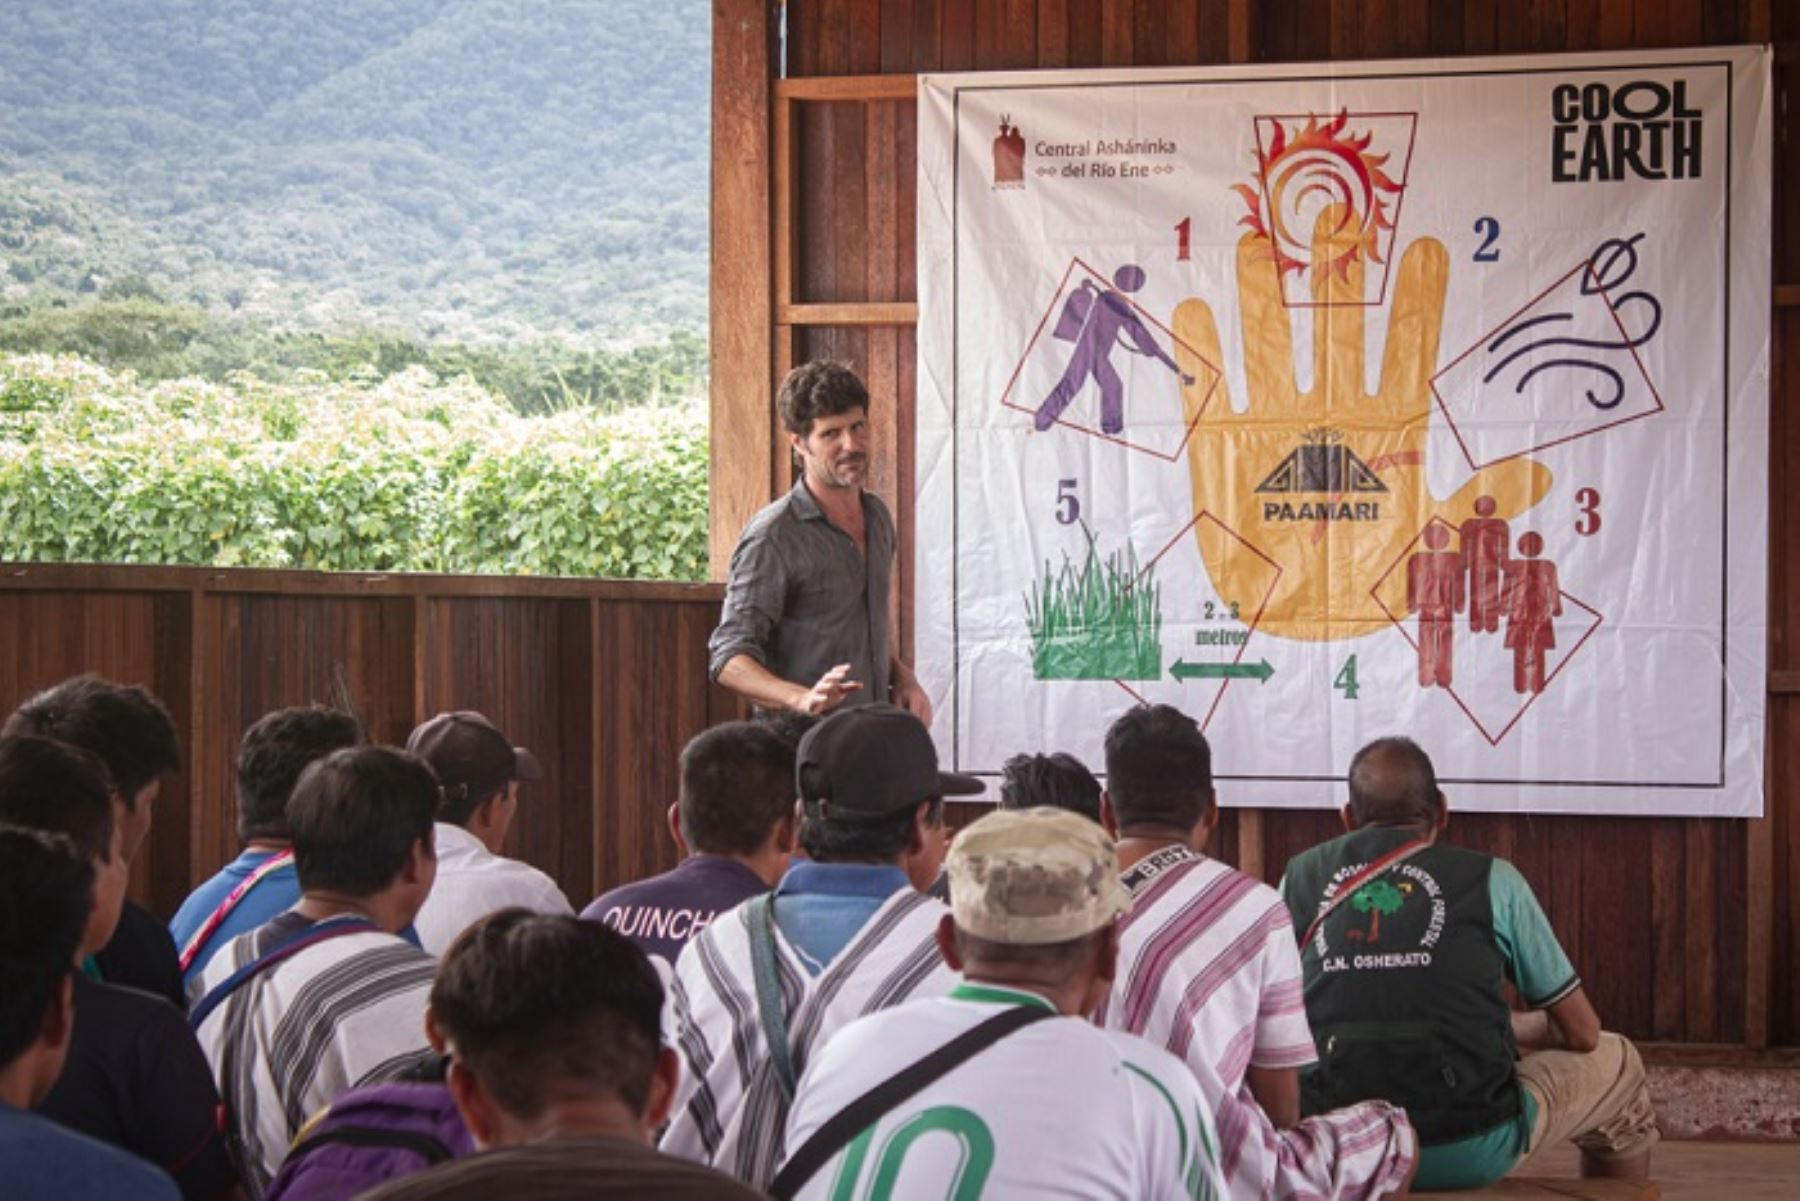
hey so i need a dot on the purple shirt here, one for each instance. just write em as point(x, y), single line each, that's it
point(660, 914)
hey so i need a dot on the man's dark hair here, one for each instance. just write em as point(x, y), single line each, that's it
point(273, 754)
point(122, 723)
point(864, 839)
point(356, 815)
point(789, 725)
point(46, 889)
point(814, 390)
point(1060, 781)
point(737, 783)
point(537, 1006)
point(58, 789)
point(1392, 782)
point(1158, 768)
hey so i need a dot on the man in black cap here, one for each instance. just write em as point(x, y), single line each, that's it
point(480, 770)
point(843, 935)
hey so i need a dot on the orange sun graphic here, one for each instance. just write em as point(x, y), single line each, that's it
point(1320, 166)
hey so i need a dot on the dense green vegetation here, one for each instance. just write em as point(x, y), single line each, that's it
point(465, 171)
point(401, 474)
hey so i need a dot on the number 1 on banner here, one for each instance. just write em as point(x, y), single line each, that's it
point(1184, 232)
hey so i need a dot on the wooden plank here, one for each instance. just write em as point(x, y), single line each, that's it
point(956, 35)
point(1787, 296)
point(844, 88)
point(1181, 32)
point(1412, 28)
point(1700, 952)
point(740, 304)
point(849, 313)
point(1379, 29)
point(1053, 33)
point(118, 578)
point(1346, 29)
point(1249, 857)
point(1650, 23)
point(1615, 26)
point(1243, 31)
point(1667, 903)
point(1116, 49)
point(782, 184)
point(1582, 24)
point(1085, 33)
point(1480, 26)
point(1150, 33)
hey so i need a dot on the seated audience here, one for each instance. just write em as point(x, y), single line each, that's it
point(259, 883)
point(1404, 989)
point(480, 770)
point(1053, 1108)
point(134, 1076)
point(1059, 780)
point(46, 898)
point(734, 825)
point(133, 734)
point(326, 995)
point(552, 1026)
point(1208, 970)
point(841, 936)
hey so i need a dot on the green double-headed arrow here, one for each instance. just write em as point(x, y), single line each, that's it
point(1260, 671)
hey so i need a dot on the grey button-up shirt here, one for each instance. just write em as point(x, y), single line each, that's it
point(801, 598)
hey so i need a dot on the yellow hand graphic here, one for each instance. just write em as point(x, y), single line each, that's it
point(1331, 548)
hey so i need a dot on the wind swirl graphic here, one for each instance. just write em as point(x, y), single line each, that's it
point(1611, 265)
point(1320, 166)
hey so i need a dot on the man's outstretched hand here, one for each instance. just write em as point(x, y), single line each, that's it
point(829, 692)
point(1327, 566)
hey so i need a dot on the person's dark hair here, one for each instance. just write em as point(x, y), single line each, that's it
point(124, 724)
point(458, 806)
point(58, 789)
point(1060, 781)
point(1050, 961)
point(356, 815)
point(46, 889)
point(1158, 768)
point(273, 754)
point(1392, 782)
point(789, 725)
point(864, 839)
point(538, 1006)
point(737, 783)
point(821, 389)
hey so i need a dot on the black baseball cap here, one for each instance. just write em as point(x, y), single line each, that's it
point(467, 750)
point(870, 761)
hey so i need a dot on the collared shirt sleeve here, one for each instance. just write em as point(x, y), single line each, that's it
point(1534, 959)
point(755, 597)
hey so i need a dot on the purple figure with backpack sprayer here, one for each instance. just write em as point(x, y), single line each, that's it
point(1095, 322)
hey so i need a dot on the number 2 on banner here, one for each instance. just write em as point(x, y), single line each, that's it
point(1489, 228)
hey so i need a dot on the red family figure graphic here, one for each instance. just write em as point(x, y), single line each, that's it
point(1484, 540)
point(1009, 156)
point(1435, 591)
point(1533, 601)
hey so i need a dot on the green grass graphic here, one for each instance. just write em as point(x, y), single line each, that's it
point(1099, 621)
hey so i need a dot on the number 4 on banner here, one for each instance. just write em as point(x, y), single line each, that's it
point(1346, 679)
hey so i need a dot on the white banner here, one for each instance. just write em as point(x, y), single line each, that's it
point(1330, 402)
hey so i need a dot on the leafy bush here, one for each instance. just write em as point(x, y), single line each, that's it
point(405, 473)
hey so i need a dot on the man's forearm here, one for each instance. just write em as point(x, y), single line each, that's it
point(899, 674)
point(756, 683)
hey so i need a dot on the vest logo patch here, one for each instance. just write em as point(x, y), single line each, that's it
point(1393, 921)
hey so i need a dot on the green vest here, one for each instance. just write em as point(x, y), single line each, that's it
point(1404, 985)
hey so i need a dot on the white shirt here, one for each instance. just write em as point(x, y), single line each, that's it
point(473, 882)
point(1057, 1109)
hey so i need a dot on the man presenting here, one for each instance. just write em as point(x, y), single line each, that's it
point(805, 624)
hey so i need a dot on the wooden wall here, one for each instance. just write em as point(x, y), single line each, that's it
point(603, 680)
point(1686, 930)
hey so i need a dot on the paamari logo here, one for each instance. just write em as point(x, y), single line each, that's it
point(1605, 133)
point(1322, 464)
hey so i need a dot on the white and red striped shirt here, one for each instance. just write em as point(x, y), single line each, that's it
point(1208, 968)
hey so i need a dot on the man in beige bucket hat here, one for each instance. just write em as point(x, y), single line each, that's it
point(1034, 1100)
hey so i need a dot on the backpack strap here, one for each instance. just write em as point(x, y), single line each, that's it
point(868, 1109)
point(760, 918)
point(1392, 859)
point(210, 926)
point(291, 945)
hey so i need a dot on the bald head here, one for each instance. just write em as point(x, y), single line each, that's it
point(1392, 783)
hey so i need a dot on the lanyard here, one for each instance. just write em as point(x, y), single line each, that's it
point(1392, 859)
point(211, 925)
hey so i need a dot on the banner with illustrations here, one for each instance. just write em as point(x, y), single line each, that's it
point(1330, 402)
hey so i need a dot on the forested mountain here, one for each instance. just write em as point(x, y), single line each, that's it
point(470, 172)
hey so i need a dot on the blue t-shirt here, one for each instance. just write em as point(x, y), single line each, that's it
point(41, 1161)
point(821, 906)
point(275, 893)
point(660, 914)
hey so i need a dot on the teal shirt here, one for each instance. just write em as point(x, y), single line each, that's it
point(1540, 970)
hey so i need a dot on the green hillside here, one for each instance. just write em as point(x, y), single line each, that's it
point(464, 172)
